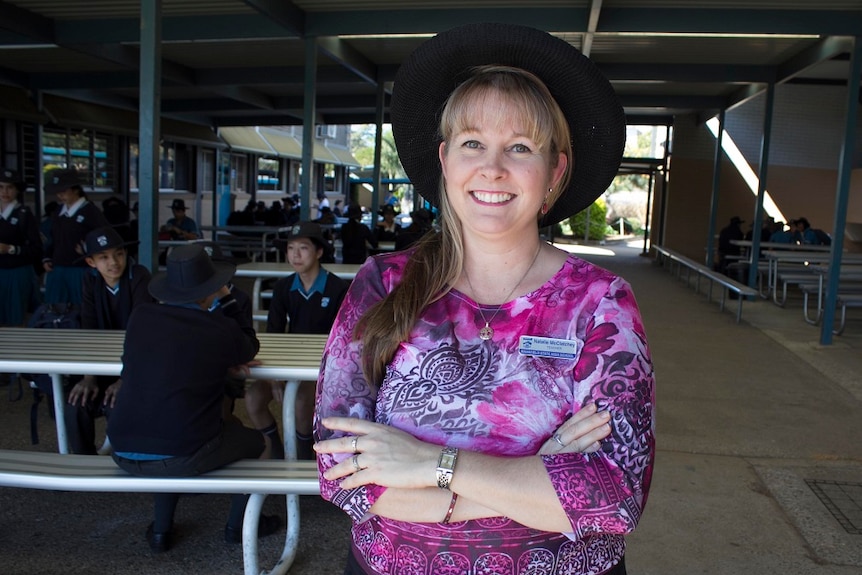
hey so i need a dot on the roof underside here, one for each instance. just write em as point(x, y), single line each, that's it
point(242, 62)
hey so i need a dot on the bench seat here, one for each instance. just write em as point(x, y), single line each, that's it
point(95, 473)
point(728, 284)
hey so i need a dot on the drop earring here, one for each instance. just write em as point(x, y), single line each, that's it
point(545, 203)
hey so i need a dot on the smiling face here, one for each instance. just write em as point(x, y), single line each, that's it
point(497, 173)
point(111, 263)
point(303, 254)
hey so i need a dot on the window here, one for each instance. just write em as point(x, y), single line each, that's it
point(268, 171)
point(326, 131)
point(91, 153)
point(238, 173)
point(174, 166)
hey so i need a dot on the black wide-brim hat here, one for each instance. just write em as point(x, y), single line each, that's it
point(595, 116)
point(191, 276)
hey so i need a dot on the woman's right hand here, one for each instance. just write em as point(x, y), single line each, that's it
point(581, 433)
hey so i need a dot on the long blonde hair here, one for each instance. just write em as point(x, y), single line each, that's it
point(439, 257)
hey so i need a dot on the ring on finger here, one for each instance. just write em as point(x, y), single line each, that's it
point(353, 443)
point(559, 440)
point(355, 461)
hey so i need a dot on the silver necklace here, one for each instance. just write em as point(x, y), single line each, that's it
point(487, 332)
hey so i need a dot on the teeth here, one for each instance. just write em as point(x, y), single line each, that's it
point(490, 198)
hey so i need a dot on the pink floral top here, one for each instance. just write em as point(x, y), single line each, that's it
point(447, 386)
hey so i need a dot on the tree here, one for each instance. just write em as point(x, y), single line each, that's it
point(362, 144)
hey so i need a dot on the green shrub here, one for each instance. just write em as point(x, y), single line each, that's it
point(598, 227)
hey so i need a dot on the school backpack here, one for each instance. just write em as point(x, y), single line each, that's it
point(50, 316)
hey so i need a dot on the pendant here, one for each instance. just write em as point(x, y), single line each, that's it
point(486, 332)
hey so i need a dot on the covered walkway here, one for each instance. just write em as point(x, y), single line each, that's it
point(754, 420)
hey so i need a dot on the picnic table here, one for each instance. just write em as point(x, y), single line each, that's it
point(291, 357)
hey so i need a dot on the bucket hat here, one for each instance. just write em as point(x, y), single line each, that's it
point(102, 239)
point(310, 230)
point(62, 179)
point(191, 276)
point(8, 176)
point(588, 101)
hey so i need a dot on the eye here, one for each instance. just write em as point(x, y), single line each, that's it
point(472, 145)
point(521, 149)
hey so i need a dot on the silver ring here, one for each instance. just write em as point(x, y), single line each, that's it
point(558, 440)
point(353, 443)
point(355, 461)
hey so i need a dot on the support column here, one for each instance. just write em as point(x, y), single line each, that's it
point(308, 122)
point(716, 184)
point(842, 194)
point(761, 186)
point(149, 132)
point(378, 152)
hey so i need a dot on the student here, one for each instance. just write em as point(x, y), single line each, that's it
point(112, 288)
point(387, 229)
point(303, 302)
point(63, 264)
point(20, 248)
point(168, 420)
point(181, 227)
point(355, 237)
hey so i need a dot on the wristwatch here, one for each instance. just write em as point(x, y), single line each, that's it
point(12, 250)
point(446, 466)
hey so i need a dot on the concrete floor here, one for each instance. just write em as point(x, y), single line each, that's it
point(748, 415)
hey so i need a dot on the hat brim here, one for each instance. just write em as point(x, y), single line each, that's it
point(427, 78)
point(122, 245)
point(160, 289)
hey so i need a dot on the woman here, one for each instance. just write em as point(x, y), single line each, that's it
point(485, 403)
point(20, 248)
point(63, 263)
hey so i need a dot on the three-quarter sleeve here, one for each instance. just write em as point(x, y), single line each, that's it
point(342, 389)
point(605, 492)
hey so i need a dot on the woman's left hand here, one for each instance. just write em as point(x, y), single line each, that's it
point(581, 433)
point(378, 454)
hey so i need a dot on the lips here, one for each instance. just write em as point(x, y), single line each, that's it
point(492, 197)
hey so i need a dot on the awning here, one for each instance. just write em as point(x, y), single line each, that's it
point(343, 155)
point(246, 139)
point(15, 105)
point(322, 154)
point(187, 133)
point(284, 144)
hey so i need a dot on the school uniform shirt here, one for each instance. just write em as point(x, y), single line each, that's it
point(305, 312)
point(175, 360)
point(104, 307)
point(354, 239)
point(505, 397)
point(68, 230)
point(186, 225)
point(19, 228)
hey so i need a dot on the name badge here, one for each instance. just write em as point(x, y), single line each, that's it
point(324, 302)
point(549, 347)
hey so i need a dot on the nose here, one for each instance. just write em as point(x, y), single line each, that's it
point(493, 166)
